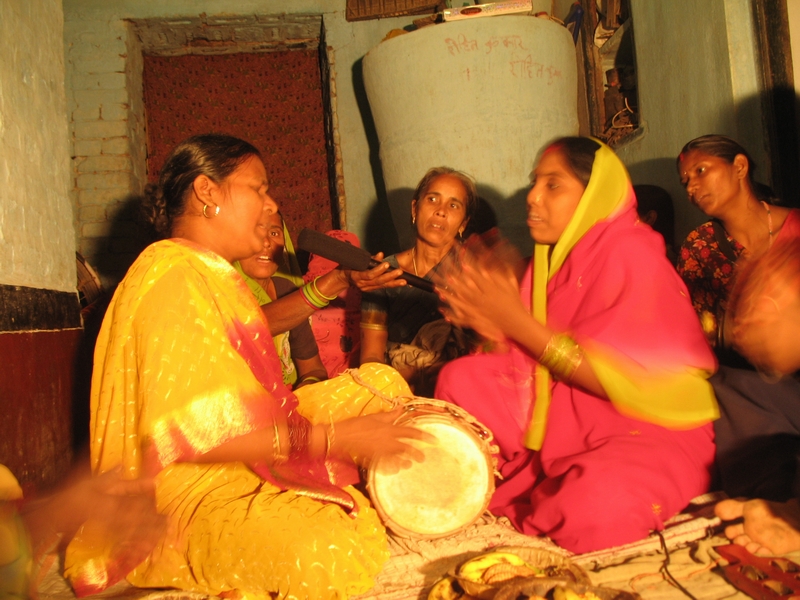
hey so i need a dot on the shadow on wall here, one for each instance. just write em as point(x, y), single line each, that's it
point(379, 231)
point(128, 234)
point(509, 214)
point(744, 124)
point(663, 172)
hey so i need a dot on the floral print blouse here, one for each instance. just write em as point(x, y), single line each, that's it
point(708, 274)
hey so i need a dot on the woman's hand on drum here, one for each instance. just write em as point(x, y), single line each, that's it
point(376, 437)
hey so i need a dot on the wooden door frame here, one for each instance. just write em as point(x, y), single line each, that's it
point(771, 22)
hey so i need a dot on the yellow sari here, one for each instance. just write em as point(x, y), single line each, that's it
point(184, 362)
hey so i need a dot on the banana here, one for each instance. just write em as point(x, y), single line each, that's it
point(9, 488)
point(563, 593)
point(475, 568)
point(445, 590)
point(500, 572)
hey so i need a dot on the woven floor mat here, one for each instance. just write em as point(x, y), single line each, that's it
point(415, 565)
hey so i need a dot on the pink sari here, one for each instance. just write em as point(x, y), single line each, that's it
point(602, 477)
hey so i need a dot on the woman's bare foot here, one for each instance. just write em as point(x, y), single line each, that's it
point(765, 527)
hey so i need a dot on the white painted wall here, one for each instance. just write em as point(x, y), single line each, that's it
point(511, 87)
point(696, 62)
point(37, 246)
point(698, 74)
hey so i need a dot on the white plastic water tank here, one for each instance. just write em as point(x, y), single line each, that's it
point(481, 95)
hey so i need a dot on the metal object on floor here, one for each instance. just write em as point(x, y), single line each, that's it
point(761, 577)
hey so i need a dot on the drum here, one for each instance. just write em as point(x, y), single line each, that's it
point(451, 488)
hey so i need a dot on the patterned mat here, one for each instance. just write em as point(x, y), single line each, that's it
point(415, 565)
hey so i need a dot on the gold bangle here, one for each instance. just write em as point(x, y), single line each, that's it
point(278, 455)
point(561, 356)
point(375, 326)
point(330, 435)
point(319, 293)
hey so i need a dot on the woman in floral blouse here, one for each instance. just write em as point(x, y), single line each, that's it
point(717, 173)
point(757, 446)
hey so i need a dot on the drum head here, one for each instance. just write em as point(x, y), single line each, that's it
point(441, 495)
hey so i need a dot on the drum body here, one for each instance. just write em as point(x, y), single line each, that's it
point(447, 491)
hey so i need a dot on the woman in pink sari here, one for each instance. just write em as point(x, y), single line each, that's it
point(596, 391)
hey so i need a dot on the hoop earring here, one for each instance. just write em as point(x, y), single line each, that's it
point(205, 214)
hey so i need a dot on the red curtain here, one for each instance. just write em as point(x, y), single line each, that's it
point(271, 99)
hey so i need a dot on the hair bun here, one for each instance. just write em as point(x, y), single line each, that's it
point(154, 208)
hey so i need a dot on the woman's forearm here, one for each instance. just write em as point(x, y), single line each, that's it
point(374, 336)
point(288, 312)
point(261, 446)
point(310, 370)
point(533, 337)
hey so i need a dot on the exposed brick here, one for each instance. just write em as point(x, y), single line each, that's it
point(114, 112)
point(93, 248)
point(126, 209)
point(89, 98)
point(128, 248)
point(215, 34)
point(174, 23)
point(249, 34)
point(231, 20)
point(299, 32)
point(94, 164)
point(98, 81)
point(100, 38)
point(120, 145)
point(92, 214)
point(91, 197)
point(271, 20)
point(272, 34)
point(91, 113)
point(108, 63)
point(77, 29)
point(87, 147)
point(106, 181)
point(89, 230)
point(79, 52)
point(100, 129)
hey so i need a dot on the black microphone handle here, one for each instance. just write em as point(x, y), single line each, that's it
point(348, 256)
point(412, 280)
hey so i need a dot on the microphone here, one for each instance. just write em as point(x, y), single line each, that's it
point(348, 256)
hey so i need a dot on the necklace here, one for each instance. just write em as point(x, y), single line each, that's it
point(769, 222)
point(414, 255)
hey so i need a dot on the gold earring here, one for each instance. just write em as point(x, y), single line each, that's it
point(205, 214)
point(413, 219)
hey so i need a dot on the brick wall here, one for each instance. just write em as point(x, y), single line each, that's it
point(107, 115)
point(103, 70)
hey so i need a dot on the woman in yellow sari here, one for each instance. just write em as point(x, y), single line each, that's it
point(255, 482)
